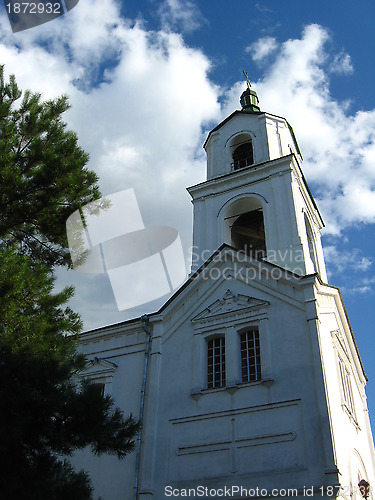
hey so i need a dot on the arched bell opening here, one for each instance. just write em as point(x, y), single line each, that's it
point(242, 151)
point(244, 226)
point(248, 233)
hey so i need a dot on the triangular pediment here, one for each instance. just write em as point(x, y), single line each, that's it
point(230, 303)
point(98, 366)
point(223, 266)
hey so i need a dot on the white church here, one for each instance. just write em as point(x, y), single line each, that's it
point(247, 381)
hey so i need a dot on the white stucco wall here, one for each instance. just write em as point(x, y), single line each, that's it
point(351, 433)
point(113, 479)
point(281, 415)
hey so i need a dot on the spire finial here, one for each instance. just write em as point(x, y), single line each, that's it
point(249, 99)
point(247, 79)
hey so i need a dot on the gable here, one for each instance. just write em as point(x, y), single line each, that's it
point(230, 304)
point(236, 114)
point(98, 368)
point(227, 285)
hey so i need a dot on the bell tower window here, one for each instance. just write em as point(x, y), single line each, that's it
point(242, 151)
point(248, 233)
point(243, 156)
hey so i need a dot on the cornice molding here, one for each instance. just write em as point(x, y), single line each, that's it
point(96, 367)
point(229, 305)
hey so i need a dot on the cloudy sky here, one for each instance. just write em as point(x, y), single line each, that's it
point(148, 79)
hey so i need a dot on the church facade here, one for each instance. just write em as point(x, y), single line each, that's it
point(248, 380)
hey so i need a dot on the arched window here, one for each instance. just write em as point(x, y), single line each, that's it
point(242, 152)
point(247, 233)
point(216, 362)
point(250, 356)
point(243, 155)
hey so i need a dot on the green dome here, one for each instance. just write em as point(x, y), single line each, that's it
point(249, 101)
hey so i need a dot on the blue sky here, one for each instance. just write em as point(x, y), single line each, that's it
point(148, 79)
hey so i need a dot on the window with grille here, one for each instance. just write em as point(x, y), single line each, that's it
point(216, 363)
point(250, 356)
point(243, 155)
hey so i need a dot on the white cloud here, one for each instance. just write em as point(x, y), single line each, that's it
point(180, 14)
point(262, 48)
point(144, 122)
point(339, 148)
point(360, 289)
point(346, 260)
point(141, 122)
point(351, 268)
point(342, 64)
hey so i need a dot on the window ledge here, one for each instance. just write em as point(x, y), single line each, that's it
point(267, 382)
point(197, 393)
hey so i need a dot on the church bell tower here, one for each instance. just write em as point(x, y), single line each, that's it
point(256, 198)
point(256, 203)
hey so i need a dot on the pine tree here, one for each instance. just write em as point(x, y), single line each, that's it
point(46, 412)
point(42, 172)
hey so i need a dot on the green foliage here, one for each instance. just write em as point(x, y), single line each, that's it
point(43, 178)
point(46, 410)
point(32, 316)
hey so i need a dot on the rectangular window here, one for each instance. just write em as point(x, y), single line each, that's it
point(346, 387)
point(250, 356)
point(216, 363)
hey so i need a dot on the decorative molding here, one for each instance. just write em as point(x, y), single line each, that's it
point(289, 403)
point(99, 370)
point(259, 440)
point(242, 195)
point(98, 366)
point(230, 304)
point(236, 442)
